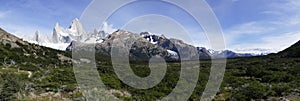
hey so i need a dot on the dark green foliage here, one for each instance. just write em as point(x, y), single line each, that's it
point(292, 52)
point(111, 80)
point(295, 70)
point(55, 79)
point(255, 71)
point(249, 78)
point(11, 84)
point(10, 87)
point(277, 77)
point(281, 89)
point(255, 90)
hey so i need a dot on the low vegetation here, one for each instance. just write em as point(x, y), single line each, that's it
point(38, 73)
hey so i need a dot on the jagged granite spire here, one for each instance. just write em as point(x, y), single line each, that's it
point(37, 36)
point(76, 27)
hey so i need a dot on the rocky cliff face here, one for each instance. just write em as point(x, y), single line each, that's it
point(138, 47)
point(146, 45)
point(183, 50)
point(74, 32)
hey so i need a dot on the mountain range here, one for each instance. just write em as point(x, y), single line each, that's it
point(63, 37)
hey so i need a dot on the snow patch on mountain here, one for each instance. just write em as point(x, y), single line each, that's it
point(58, 46)
point(211, 51)
point(62, 37)
point(256, 51)
point(172, 52)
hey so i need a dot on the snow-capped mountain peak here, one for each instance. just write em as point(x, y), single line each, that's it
point(62, 37)
point(75, 32)
point(76, 28)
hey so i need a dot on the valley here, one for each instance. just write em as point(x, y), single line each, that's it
point(32, 72)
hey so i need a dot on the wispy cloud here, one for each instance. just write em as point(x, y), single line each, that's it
point(285, 12)
point(24, 31)
point(276, 27)
point(246, 29)
point(158, 24)
point(4, 14)
point(276, 43)
point(271, 12)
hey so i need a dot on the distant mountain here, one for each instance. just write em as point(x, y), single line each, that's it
point(230, 54)
point(256, 51)
point(62, 38)
point(75, 33)
point(176, 46)
point(145, 45)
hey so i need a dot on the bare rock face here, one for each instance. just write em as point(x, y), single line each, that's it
point(13, 41)
point(76, 28)
point(143, 46)
point(74, 33)
point(37, 36)
point(58, 34)
point(183, 50)
point(137, 46)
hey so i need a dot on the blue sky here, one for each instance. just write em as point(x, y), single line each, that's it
point(246, 24)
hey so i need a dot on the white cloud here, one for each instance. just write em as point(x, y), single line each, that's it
point(24, 31)
point(262, 35)
point(108, 28)
point(276, 43)
point(249, 28)
point(277, 30)
point(159, 24)
point(4, 14)
point(91, 18)
point(293, 21)
point(285, 13)
point(271, 12)
point(289, 5)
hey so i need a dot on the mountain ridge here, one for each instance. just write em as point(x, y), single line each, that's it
point(293, 51)
point(62, 38)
